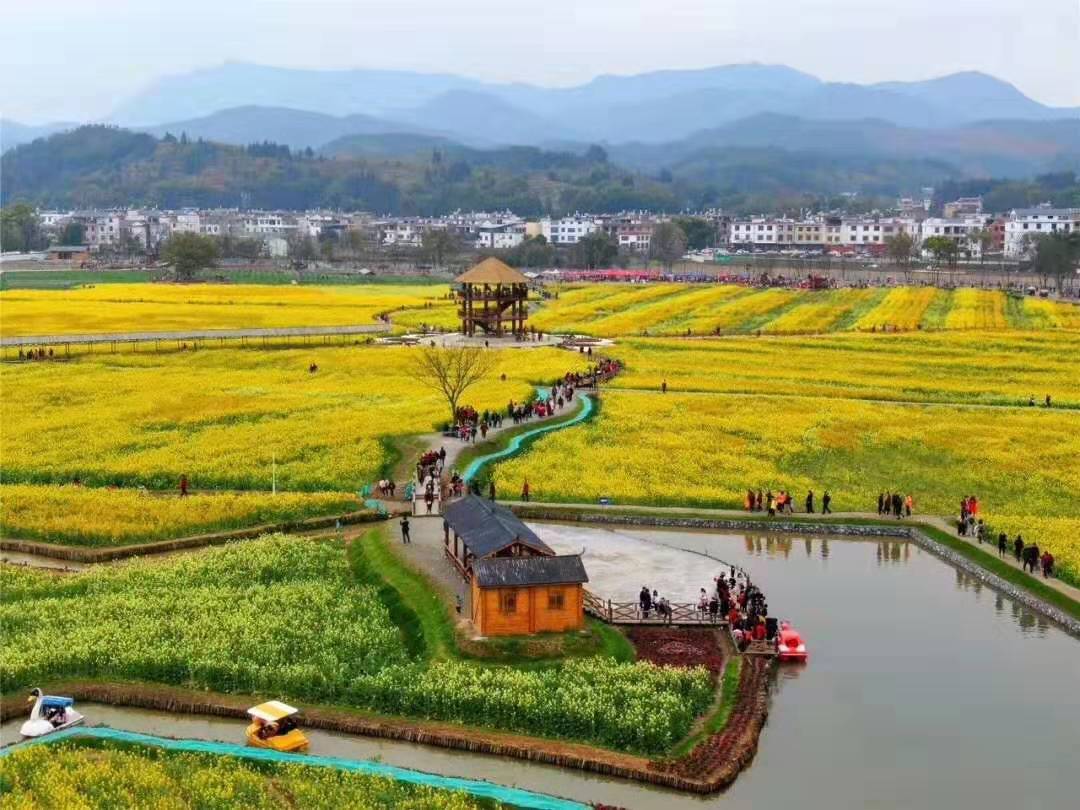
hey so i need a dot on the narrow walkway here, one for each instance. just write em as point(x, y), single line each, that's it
point(193, 335)
point(737, 514)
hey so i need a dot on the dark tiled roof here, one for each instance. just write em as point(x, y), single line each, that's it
point(488, 528)
point(509, 572)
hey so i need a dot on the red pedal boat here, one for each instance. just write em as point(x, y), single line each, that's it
point(789, 644)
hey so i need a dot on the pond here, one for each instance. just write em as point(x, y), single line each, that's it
point(924, 687)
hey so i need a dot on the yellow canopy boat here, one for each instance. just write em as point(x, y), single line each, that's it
point(273, 725)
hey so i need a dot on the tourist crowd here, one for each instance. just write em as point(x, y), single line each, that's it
point(783, 502)
point(733, 598)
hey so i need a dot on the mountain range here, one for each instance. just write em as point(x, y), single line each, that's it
point(720, 126)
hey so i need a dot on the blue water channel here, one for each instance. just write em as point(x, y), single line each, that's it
point(516, 442)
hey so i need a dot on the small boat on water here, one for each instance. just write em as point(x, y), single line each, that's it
point(50, 713)
point(273, 725)
point(789, 644)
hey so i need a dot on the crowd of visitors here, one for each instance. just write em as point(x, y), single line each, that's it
point(783, 502)
point(36, 354)
point(733, 598)
point(896, 504)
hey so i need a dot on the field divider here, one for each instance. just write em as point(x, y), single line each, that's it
point(83, 554)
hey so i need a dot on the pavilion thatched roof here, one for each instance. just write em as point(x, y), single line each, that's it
point(491, 271)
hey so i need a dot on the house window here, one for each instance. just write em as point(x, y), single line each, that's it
point(556, 599)
point(508, 602)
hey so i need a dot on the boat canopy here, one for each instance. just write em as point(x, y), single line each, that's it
point(272, 711)
point(56, 702)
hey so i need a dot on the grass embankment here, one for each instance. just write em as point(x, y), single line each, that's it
point(418, 606)
point(717, 718)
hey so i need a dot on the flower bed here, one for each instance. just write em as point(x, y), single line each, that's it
point(719, 758)
point(678, 647)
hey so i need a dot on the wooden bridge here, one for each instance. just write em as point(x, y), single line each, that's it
point(683, 614)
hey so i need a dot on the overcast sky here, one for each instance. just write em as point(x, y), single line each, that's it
point(77, 59)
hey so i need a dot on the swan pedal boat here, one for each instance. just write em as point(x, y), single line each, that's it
point(789, 644)
point(50, 713)
point(271, 716)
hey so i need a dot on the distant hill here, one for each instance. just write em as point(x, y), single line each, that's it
point(985, 149)
point(297, 129)
point(108, 166)
point(657, 106)
point(12, 133)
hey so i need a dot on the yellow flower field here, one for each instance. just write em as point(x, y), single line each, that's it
point(977, 309)
point(940, 415)
point(111, 308)
point(1003, 368)
point(614, 310)
point(221, 416)
point(822, 312)
point(93, 517)
point(1059, 534)
point(903, 308)
point(604, 310)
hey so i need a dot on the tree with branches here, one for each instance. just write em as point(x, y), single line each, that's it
point(453, 371)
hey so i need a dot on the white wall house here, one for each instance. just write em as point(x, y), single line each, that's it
point(1024, 224)
point(568, 230)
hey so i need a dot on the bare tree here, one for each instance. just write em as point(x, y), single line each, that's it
point(454, 370)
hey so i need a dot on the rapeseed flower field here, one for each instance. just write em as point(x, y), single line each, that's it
point(225, 417)
point(95, 776)
point(285, 616)
point(88, 516)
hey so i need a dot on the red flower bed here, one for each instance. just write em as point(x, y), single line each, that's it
point(678, 647)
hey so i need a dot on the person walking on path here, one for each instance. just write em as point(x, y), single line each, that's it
point(491, 490)
point(525, 491)
point(663, 387)
point(810, 502)
point(909, 502)
point(881, 503)
point(1003, 542)
point(826, 499)
point(183, 486)
point(405, 530)
point(1047, 564)
point(1018, 548)
point(897, 504)
point(645, 601)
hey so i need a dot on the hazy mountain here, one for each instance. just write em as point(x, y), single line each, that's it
point(990, 148)
point(973, 96)
point(482, 118)
point(387, 145)
point(239, 84)
point(12, 133)
point(295, 128)
point(655, 106)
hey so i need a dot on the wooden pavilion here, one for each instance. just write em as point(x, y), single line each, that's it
point(494, 299)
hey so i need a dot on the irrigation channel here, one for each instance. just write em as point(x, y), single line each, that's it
point(924, 688)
